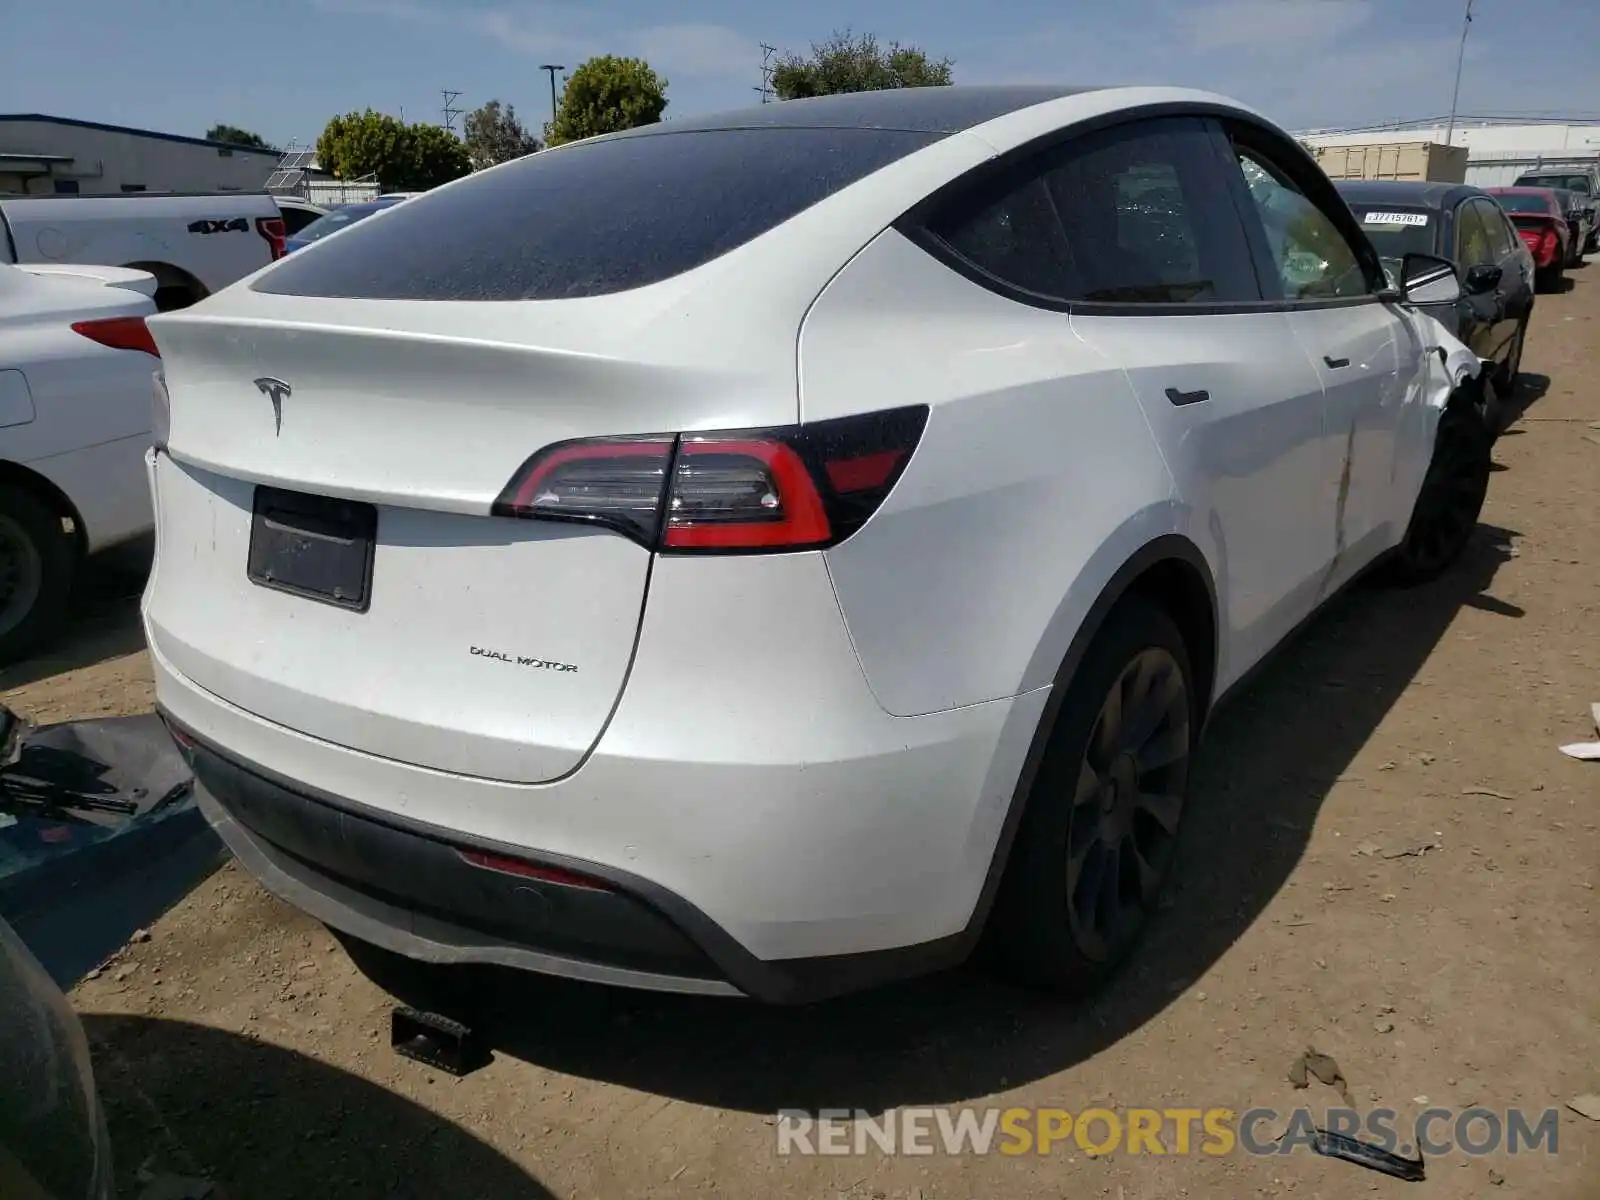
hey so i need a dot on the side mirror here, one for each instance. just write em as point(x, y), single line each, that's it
point(1484, 277)
point(1429, 279)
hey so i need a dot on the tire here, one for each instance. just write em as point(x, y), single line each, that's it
point(38, 559)
point(1450, 500)
point(172, 297)
point(1052, 927)
point(1548, 279)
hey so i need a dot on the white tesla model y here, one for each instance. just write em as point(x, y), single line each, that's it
point(762, 553)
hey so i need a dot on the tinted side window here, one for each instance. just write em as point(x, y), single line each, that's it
point(1499, 233)
point(295, 219)
point(592, 218)
point(1312, 258)
point(1014, 236)
point(1472, 239)
point(1132, 214)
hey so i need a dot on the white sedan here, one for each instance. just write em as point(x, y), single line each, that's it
point(75, 385)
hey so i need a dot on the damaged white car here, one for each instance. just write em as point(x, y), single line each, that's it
point(765, 552)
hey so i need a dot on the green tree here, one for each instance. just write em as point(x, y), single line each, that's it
point(607, 94)
point(235, 136)
point(437, 156)
point(404, 158)
point(849, 62)
point(494, 135)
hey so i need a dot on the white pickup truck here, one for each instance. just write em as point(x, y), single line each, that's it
point(194, 244)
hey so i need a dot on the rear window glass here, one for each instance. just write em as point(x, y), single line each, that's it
point(1526, 202)
point(1396, 232)
point(337, 220)
point(1573, 183)
point(594, 218)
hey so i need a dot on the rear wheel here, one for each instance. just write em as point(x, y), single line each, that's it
point(1099, 833)
point(38, 558)
point(1451, 498)
point(1550, 279)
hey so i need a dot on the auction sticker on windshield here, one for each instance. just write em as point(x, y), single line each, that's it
point(1395, 218)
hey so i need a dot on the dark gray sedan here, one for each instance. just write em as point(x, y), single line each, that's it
point(1464, 224)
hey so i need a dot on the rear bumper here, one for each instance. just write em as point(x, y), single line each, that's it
point(412, 891)
point(767, 828)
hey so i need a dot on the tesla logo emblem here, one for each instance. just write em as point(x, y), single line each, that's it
point(274, 390)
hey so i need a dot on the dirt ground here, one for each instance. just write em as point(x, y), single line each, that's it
point(239, 1042)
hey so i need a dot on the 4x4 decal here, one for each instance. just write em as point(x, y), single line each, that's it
point(236, 225)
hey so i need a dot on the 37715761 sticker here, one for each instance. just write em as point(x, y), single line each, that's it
point(1395, 218)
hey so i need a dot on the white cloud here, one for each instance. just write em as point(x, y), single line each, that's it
point(1286, 26)
point(696, 51)
point(693, 50)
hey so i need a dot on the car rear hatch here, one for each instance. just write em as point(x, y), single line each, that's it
point(341, 427)
point(328, 559)
point(1536, 229)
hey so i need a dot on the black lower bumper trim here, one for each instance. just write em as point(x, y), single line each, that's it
point(404, 885)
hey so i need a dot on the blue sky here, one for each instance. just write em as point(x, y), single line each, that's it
point(282, 67)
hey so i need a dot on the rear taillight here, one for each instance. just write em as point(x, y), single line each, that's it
point(272, 228)
point(120, 333)
point(516, 866)
point(1549, 243)
point(743, 491)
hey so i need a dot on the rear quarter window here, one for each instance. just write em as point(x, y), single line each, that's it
point(593, 218)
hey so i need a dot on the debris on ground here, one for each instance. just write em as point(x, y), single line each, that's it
point(1336, 1145)
point(1496, 1178)
point(1322, 1067)
point(1416, 851)
point(1587, 1105)
point(1474, 791)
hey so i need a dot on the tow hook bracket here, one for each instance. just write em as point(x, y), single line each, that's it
point(437, 1042)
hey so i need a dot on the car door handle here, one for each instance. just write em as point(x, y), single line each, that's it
point(1335, 363)
point(1182, 398)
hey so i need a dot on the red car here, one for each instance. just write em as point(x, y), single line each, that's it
point(1542, 222)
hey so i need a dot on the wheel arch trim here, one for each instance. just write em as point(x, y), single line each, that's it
point(1169, 548)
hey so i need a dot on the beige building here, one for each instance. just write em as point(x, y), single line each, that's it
point(43, 156)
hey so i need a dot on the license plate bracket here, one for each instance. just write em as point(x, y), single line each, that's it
point(316, 547)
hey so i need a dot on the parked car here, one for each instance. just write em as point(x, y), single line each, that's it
point(1542, 224)
point(764, 552)
point(53, 1139)
point(1579, 210)
point(75, 402)
point(297, 213)
point(194, 244)
point(1583, 180)
point(1465, 225)
point(339, 218)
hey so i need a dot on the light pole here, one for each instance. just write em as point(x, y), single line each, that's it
point(1455, 96)
point(552, 68)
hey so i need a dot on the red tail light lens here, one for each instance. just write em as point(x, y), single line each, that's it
point(120, 333)
point(743, 491)
point(516, 866)
point(273, 229)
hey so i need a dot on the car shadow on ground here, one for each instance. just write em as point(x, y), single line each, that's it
point(1530, 388)
point(103, 622)
point(262, 1121)
point(1271, 758)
